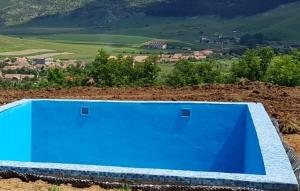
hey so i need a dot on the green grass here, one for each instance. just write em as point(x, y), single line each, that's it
point(83, 46)
point(80, 51)
point(102, 39)
point(54, 188)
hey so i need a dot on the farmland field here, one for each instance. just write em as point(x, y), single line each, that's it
point(78, 49)
point(80, 46)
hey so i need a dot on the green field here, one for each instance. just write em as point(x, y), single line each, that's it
point(81, 46)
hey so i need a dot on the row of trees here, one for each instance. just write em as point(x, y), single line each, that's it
point(260, 64)
point(263, 65)
point(103, 72)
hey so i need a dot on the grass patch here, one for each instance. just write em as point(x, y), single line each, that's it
point(126, 188)
point(54, 188)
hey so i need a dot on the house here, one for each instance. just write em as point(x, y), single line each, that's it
point(176, 57)
point(164, 58)
point(156, 44)
point(207, 52)
point(43, 61)
point(18, 77)
point(140, 58)
point(200, 57)
point(112, 58)
point(198, 53)
point(21, 61)
point(20, 66)
point(204, 39)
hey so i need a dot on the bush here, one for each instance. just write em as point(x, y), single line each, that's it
point(145, 74)
point(122, 71)
point(284, 70)
point(187, 73)
point(54, 188)
point(254, 64)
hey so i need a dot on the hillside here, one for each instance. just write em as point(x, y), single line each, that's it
point(223, 8)
point(98, 11)
point(15, 12)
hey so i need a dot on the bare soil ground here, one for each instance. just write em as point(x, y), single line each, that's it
point(17, 185)
point(283, 103)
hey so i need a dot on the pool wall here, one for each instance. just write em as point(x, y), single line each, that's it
point(251, 164)
point(145, 138)
point(15, 141)
point(273, 172)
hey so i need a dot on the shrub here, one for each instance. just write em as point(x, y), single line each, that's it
point(284, 70)
point(126, 188)
point(254, 64)
point(248, 66)
point(54, 188)
point(187, 73)
point(145, 74)
point(122, 71)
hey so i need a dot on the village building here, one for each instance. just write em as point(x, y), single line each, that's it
point(156, 44)
point(140, 58)
point(204, 39)
point(17, 77)
point(21, 61)
point(112, 58)
point(207, 52)
point(164, 58)
point(17, 67)
point(43, 61)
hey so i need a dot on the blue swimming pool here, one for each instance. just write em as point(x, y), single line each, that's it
point(181, 142)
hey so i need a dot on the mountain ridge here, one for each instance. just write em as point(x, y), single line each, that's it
point(14, 12)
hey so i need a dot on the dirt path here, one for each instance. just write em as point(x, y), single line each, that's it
point(281, 102)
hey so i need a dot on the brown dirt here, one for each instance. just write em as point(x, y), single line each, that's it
point(294, 141)
point(282, 103)
point(17, 185)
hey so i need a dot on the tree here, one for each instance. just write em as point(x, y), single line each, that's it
point(266, 55)
point(145, 74)
point(56, 77)
point(183, 74)
point(99, 70)
point(252, 40)
point(187, 73)
point(122, 71)
point(248, 66)
point(284, 70)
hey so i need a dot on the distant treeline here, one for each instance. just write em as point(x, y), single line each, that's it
point(260, 64)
